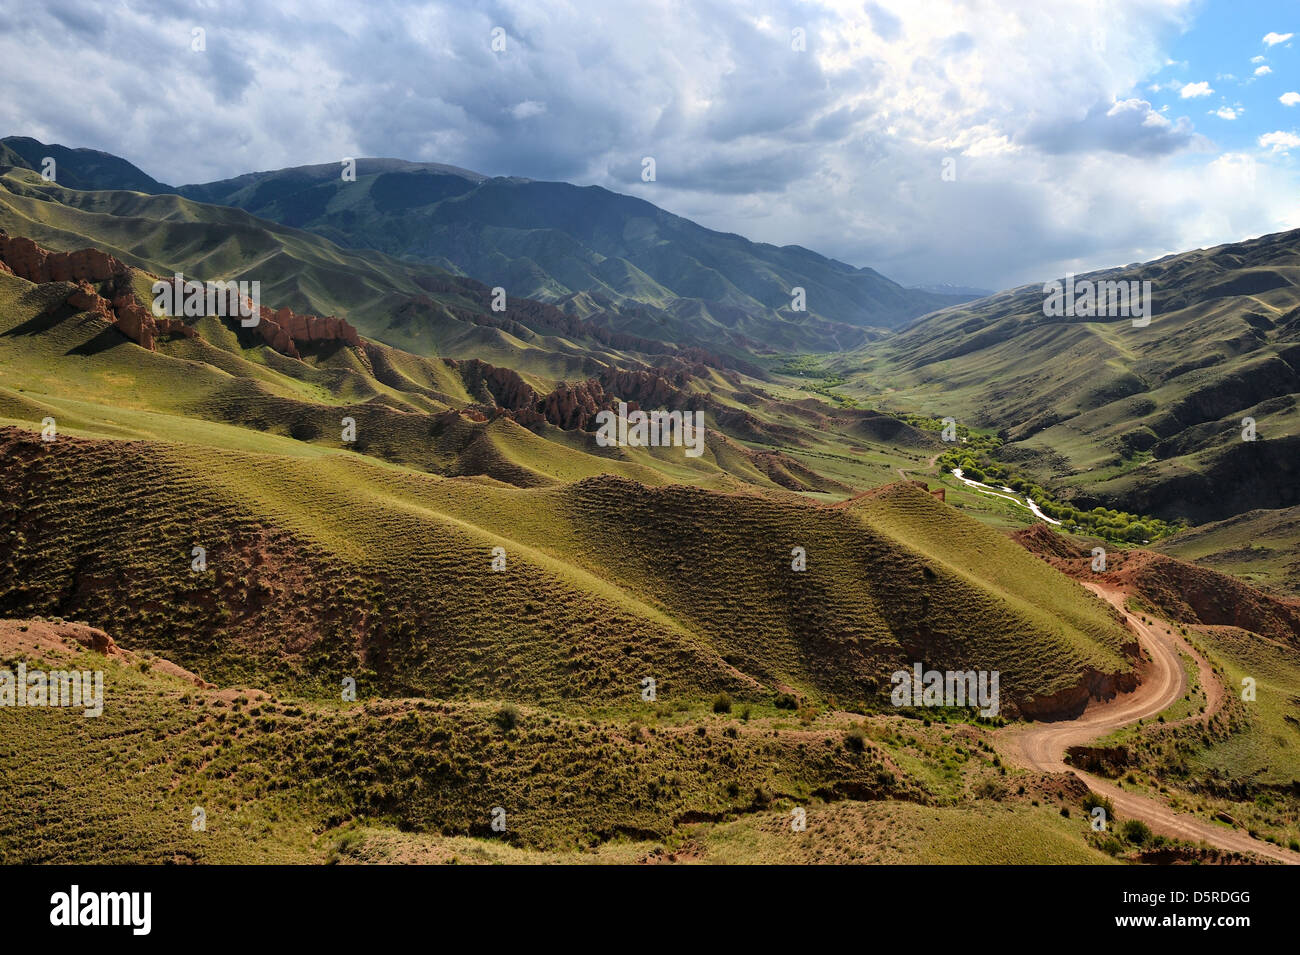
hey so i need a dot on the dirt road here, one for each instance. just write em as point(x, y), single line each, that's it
point(1042, 746)
point(929, 466)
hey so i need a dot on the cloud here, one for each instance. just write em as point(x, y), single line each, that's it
point(1289, 99)
point(1273, 39)
point(886, 25)
point(527, 108)
point(1263, 70)
point(838, 147)
point(1125, 126)
point(1226, 112)
point(1279, 141)
point(1193, 90)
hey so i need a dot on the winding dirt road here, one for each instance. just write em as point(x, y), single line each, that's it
point(1042, 746)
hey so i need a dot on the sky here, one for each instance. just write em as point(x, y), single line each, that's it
point(985, 144)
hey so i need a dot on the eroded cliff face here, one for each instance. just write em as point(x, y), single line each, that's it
point(104, 288)
point(573, 406)
point(25, 259)
point(285, 330)
point(125, 312)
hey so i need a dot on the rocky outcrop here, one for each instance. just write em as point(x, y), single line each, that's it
point(572, 406)
point(30, 261)
point(495, 387)
point(1067, 704)
point(130, 317)
point(285, 330)
point(1108, 761)
point(104, 289)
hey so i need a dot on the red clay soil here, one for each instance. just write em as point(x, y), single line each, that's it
point(43, 637)
point(1181, 591)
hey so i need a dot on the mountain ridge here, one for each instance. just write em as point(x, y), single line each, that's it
point(617, 260)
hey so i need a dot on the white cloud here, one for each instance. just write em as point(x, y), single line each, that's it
point(1273, 39)
point(1289, 99)
point(527, 108)
point(1226, 112)
point(1193, 90)
point(1279, 141)
point(1258, 59)
point(1263, 71)
point(837, 148)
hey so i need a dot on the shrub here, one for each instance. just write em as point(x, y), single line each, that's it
point(1136, 831)
point(1091, 801)
point(722, 703)
point(1111, 846)
point(508, 717)
point(785, 701)
point(855, 738)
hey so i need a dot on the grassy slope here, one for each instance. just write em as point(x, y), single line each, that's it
point(1149, 417)
point(165, 233)
point(286, 780)
point(1258, 546)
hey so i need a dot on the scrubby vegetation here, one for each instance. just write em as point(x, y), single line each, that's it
point(976, 455)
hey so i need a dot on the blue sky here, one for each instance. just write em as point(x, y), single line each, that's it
point(1225, 49)
point(1077, 133)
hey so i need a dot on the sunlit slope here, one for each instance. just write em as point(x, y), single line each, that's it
point(418, 308)
point(1146, 418)
point(75, 368)
point(1083, 627)
point(327, 565)
point(1258, 546)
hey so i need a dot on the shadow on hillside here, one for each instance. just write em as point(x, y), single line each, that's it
point(106, 339)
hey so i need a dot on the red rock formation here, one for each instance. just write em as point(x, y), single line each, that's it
point(131, 318)
point(573, 406)
point(28, 260)
point(284, 330)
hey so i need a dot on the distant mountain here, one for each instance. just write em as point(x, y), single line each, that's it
point(589, 250)
point(79, 168)
point(614, 260)
point(966, 292)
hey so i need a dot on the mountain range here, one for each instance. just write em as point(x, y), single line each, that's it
point(612, 260)
point(392, 484)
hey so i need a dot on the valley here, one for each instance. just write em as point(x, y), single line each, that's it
point(447, 611)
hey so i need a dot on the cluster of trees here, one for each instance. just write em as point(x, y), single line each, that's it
point(976, 459)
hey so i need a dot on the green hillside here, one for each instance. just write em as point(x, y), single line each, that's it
point(620, 261)
point(1101, 412)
